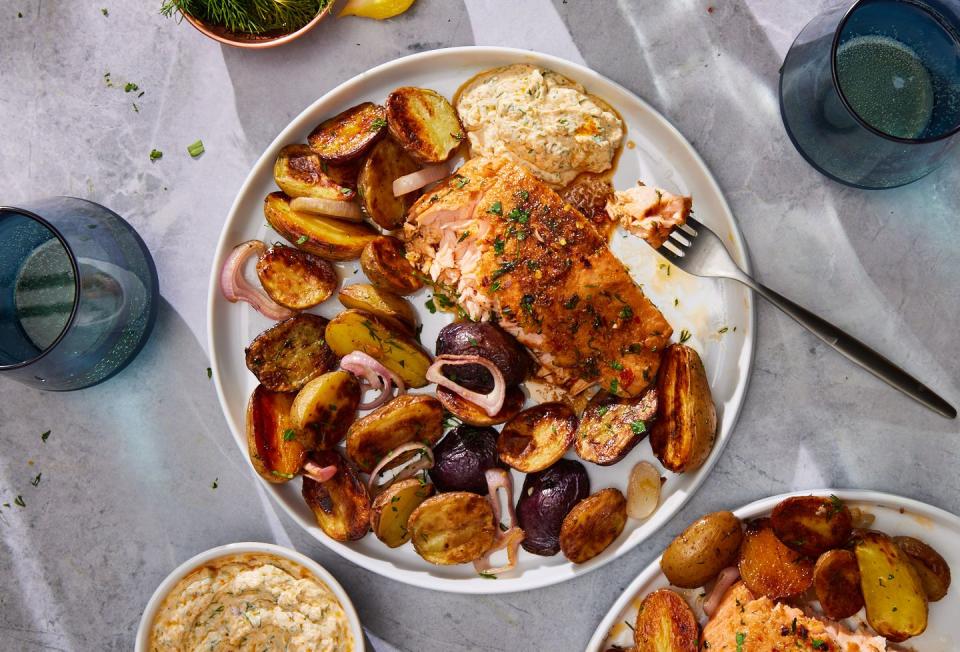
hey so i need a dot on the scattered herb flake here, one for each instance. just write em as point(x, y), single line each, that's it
point(289, 434)
point(487, 576)
point(626, 312)
point(463, 236)
point(523, 195)
point(496, 208)
point(45, 436)
point(378, 124)
point(723, 330)
point(616, 364)
point(36, 480)
point(215, 483)
point(105, 11)
point(431, 306)
point(155, 155)
point(18, 501)
point(302, 239)
point(130, 87)
point(638, 427)
point(741, 637)
point(603, 409)
point(209, 373)
point(196, 149)
point(498, 246)
point(614, 386)
point(461, 181)
point(684, 335)
point(288, 476)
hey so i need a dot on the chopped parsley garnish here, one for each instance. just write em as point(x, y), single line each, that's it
point(215, 483)
point(523, 195)
point(461, 181)
point(18, 501)
point(626, 312)
point(378, 124)
point(498, 246)
point(519, 215)
point(503, 269)
point(302, 239)
point(431, 306)
point(495, 286)
point(723, 330)
point(741, 637)
point(345, 191)
point(616, 364)
point(196, 148)
point(463, 236)
point(526, 302)
point(105, 11)
point(288, 476)
point(603, 409)
point(818, 644)
point(45, 436)
point(473, 341)
point(130, 87)
point(155, 155)
point(487, 576)
point(496, 208)
point(209, 373)
point(572, 302)
point(36, 480)
point(836, 506)
point(614, 386)
point(638, 427)
point(684, 335)
point(289, 434)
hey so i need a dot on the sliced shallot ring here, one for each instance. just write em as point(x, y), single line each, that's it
point(235, 287)
point(342, 210)
point(318, 473)
point(417, 180)
point(501, 479)
point(511, 539)
point(376, 377)
point(411, 469)
point(727, 578)
point(490, 403)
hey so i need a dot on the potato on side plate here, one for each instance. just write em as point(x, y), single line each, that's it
point(322, 236)
point(836, 581)
point(452, 528)
point(892, 592)
point(384, 262)
point(276, 454)
point(699, 553)
point(665, 623)
point(768, 567)
point(287, 355)
point(932, 569)
point(405, 419)
point(392, 509)
point(811, 525)
point(592, 525)
point(349, 134)
point(424, 123)
point(341, 505)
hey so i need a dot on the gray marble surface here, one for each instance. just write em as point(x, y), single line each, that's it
point(126, 491)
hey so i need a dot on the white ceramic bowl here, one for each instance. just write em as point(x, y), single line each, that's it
point(181, 571)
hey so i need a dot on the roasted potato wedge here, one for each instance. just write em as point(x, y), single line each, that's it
point(386, 163)
point(405, 419)
point(349, 134)
point(770, 568)
point(592, 525)
point(836, 581)
point(384, 262)
point(392, 509)
point(811, 525)
point(471, 414)
point(274, 450)
point(686, 426)
point(700, 552)
point(382, 304)
point(341, 505)
point(424, 123)
point(537, 437)
point(610, 427)
point(287, 355)
point(299, 172)
point(665, 623)
point(296, 279)
point(354, 330)
point(932, 569)
point(452, 528)
point(322, 236)
point(892, 591)
point(324, 409)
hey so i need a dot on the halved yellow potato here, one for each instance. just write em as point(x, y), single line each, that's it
point(537, 437)
point(665, 623)
point(324, 409)
point(892, 592)
point(385, 264)
point(322, 236)
point(405, 419)
point(271, 442)
point(348, 134)
point(380, 303)
point(341, 505)
point(355, 330)
point(386, 163)
point(592, 525)
point(452, 528)
point(299, 172)
point(424, 123)
point(296, 279)
point(392, 509)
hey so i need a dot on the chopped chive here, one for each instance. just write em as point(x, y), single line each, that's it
point(196, 149)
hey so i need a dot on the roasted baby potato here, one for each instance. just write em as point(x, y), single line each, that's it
point(341, 505)
point(324, 408)
point(386, 163)
point(322, 236)
point(287, 355)
point(770, 568)
point(354, 330)
point(475, 416)
point(407, 418)
point(380, 303)
point(349, 134)
point(700, 552)
point(592, 525)
point(296, 279)
point(537, 437)
point(811, 525)
point(384, 262)
point(892, 591)
point(452, 528)
point(545, 500)
point(274, 450)
point(488, 341)
point(462, 457)
point(665, 623)
point(299, 172)
point(610, 427)
point(391, 510)
point(424, 123)
point(932, 569)
point(686, 426)
point(836, 581)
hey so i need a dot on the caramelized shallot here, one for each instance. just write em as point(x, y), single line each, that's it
point(490, 403)
point(727, 578)
point(342, 210)
point(374, 376)
point(236, 287)
point(511, 537)
point(425, 462)
point(417, 180)
point(643, 491)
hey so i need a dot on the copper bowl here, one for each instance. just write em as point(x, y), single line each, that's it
point(256, 41)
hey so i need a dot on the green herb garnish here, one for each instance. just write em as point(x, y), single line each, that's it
point(638, 427)
point(36, 480)
point(741, 637)
point(195, 149)
point(684, 335)
point(155, 155)
point(249, 16)
point(45, 436)
point(18, 501)
point(289, 434)
point(215, 483)
point(378, 124)
point(302, 239)
point(496, 208)
point(431, 306)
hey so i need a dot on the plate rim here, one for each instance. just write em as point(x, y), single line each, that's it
point(752, 510)
point(423, 579)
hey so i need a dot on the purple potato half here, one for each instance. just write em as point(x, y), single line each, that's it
point(546, 498)
point(462, 457)
point(488, 341)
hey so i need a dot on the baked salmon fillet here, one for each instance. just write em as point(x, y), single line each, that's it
point(743, 623)
point(505, 247)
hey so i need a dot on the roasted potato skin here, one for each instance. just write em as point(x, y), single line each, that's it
point(462, 457)
point(275, 456)
point(537, 437)
point(665, 623)
point(811, 525)
point(407, 418)
point(326, 237)
point(932, 569)
point(699, 553)
point(386, 163)
point(355, 330)
point(424, 123)
point(686, 426)
point(287, 355)
point(299, 172)
point(452, 528)
point(341, 505)
point(380, 303)
point(610, 427)
point(392, 508)
point(836, 581)
point(490, 342)
point(324, 409)
point(296, 279)
point(348, 134)
point(545, 500)
point(768, 567)
point(892, 591)
point(474, 415)
point(592, 525)
point(385, 263)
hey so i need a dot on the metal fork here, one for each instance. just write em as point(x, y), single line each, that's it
point(699, 251)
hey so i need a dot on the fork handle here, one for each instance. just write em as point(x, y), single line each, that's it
point(855, 350)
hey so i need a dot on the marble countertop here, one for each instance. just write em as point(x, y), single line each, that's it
point(129, 467)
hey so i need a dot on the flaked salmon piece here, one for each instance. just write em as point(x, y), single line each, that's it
point(743, 623)
point(506, 247)
point(649, 213)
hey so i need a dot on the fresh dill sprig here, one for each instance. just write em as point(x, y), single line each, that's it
point(249, 16)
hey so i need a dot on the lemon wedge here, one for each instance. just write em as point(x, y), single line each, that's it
point(377, 9)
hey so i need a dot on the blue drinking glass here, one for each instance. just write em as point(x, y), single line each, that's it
point(870, 94)
point(78, 293)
